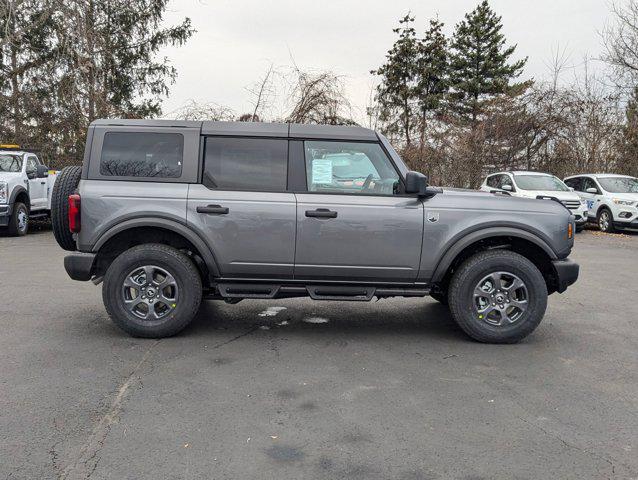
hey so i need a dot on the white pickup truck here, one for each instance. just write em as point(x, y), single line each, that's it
point(25, 189)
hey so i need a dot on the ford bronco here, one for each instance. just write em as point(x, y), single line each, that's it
point(167, 213)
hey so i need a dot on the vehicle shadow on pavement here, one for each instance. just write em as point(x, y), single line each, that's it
point(301, 316)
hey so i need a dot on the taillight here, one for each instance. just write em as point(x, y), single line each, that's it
point(74, 213)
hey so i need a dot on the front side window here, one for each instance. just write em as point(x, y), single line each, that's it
point(506, 180)
point(619, 184)
point(492, 181)
point(138, 154)
point(574, 183)
point(259, 164)
point(10, 163)
point(349, 168)
point(589, 183)
point(32, 166)
point(540, 182)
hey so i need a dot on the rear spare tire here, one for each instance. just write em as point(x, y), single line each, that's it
point(66, 184)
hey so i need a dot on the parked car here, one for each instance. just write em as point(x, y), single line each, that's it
point(540, 186)
point(612, 200)
point(166, 213)
point(25, 189)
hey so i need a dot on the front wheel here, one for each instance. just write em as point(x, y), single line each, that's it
point(152, 291)
point(19, 221)
point(498, 297)
point(605, 221)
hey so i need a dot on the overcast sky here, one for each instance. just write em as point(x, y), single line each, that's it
point(237, 40)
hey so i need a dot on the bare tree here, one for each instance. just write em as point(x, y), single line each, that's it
point(621, 43)
point(202, 111)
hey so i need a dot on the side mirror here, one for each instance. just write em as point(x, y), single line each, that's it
point(571, 189)
point(507, 188)
point(416, 183)
point(42, 171)
point(592, 190)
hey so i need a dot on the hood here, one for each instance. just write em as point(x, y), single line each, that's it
point(10, 176)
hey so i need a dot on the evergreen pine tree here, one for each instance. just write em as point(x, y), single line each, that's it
point(431, 74)
point(395, 93)
point(479, 64)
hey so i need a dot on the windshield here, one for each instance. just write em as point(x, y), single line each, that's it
point(620, 184)
point(10, 163)
point(540, 182)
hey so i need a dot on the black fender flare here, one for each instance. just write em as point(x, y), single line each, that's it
point(466, 240)
point(17, 191)
point(174, 226)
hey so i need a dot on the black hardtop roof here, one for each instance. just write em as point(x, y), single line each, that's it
point(254, 129)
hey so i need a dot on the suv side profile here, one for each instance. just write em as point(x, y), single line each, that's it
point(612, 200)
point(167, 213)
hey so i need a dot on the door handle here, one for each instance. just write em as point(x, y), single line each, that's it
point(321, 213)
point(213, 209)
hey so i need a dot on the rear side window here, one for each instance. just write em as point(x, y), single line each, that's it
point(138, 154)
point(259, 164)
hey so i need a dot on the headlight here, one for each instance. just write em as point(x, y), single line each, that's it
point(627, 203)
point(4, 193)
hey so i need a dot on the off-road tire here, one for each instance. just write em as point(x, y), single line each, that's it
point(610, 228)
point(174, 262)
point(14, 229)
point(65, 184)
point(470, 273)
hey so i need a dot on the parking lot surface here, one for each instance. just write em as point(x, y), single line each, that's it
point(292, 389)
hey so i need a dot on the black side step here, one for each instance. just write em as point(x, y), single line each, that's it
point(337, 292)
point(247, 290)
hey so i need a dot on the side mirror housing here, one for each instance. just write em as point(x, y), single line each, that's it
point(507, 188)
point(416, 183)
point(42, 171)
point(592, 190)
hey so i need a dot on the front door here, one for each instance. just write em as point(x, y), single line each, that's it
point(352, 223)
point(242, 207)
point(37, 186)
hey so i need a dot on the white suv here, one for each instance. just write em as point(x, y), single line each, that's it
point(612, 200)
point(538, 185)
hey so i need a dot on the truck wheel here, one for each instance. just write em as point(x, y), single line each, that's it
point(498, 297)
point(605, 221)
point(19, 221)
point(66, 183)
point(152, 291)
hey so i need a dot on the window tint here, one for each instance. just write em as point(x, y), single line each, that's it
point(137, 154)
point(246, 164)
point(574, 183)
point(493, 181)
point(505, 180)
point(349, 167)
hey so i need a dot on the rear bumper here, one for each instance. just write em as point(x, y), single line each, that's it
point(566, 273)
point(79, 266)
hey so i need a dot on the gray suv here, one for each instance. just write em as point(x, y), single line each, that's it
point(167, 213)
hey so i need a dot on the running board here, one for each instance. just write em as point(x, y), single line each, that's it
point(350, 293)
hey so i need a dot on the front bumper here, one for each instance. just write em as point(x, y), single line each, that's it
point(621, 225)
point(566, 273)
point(79, 266)
point(5, 215)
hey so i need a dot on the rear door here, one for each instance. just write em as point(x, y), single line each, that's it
point(353, 223)
point(242, 206)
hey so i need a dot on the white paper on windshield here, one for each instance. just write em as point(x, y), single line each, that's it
point(322, 170)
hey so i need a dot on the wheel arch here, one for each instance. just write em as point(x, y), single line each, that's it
point(155, 230)
point(523, 242)
point(20, 194)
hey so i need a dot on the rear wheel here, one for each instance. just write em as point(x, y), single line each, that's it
point(66, 183)
point(19, 221)
point(498, 297)
point(152, 291)
point(605, 221)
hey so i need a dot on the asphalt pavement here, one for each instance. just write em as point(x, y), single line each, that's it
point(292, 389)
